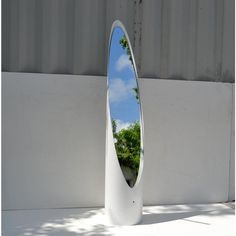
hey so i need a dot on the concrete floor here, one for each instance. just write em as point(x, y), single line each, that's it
point(189, 220)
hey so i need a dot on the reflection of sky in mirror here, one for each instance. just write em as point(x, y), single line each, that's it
point(121, 75)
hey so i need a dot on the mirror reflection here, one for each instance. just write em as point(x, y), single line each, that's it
point(124, 106)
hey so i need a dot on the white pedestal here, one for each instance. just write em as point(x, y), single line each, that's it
point(123, 204)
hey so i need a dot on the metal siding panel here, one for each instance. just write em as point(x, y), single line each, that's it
point(38, 35)
point(228, 51)
point(5, 35)
point(89, 38)
point(62, 29)
point(14, 35)
point(123, 11)
point(177, 39)
point(50, 36)
point(58, 36)
point(205, 69)
point(27, 32)
point(219, 14)
point(164, 72)
point(185, 39)
point(191, 39)
point(45, 37)
point(137, 45)
point(151, 39)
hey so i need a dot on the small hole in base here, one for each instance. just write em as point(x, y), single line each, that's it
point(133, 201)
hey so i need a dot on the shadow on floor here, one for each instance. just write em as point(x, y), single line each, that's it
point(150, 217)
point(62, 222)
point(92, 222)
point(165, 217)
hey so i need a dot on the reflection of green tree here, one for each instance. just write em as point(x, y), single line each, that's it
point(128, 149)
point(114, 126)
point(136, 94)
point(125, 45)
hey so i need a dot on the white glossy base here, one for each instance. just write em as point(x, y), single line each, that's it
point(123, 204)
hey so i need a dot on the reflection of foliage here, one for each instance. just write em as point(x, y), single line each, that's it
point(128, 149)
point(114, 126)
point(125, 45)
point(136, 94)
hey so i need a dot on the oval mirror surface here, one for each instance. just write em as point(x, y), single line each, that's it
point(124, 105)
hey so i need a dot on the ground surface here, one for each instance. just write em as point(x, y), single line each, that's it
point(189, 220)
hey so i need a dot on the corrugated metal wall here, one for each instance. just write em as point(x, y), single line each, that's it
point(184, 39)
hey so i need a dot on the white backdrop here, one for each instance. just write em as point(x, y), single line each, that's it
point(54, 141)
point(187, 141)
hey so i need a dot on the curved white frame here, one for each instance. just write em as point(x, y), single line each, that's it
point(123, 203)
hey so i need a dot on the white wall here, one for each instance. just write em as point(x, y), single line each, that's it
point(187, 141)
point(54, 141)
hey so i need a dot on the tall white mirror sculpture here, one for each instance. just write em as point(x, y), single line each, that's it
point(124, 135)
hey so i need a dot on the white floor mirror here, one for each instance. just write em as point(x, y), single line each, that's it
point(124, 133)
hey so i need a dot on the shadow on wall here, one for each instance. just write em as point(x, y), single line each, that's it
point(87, 222)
